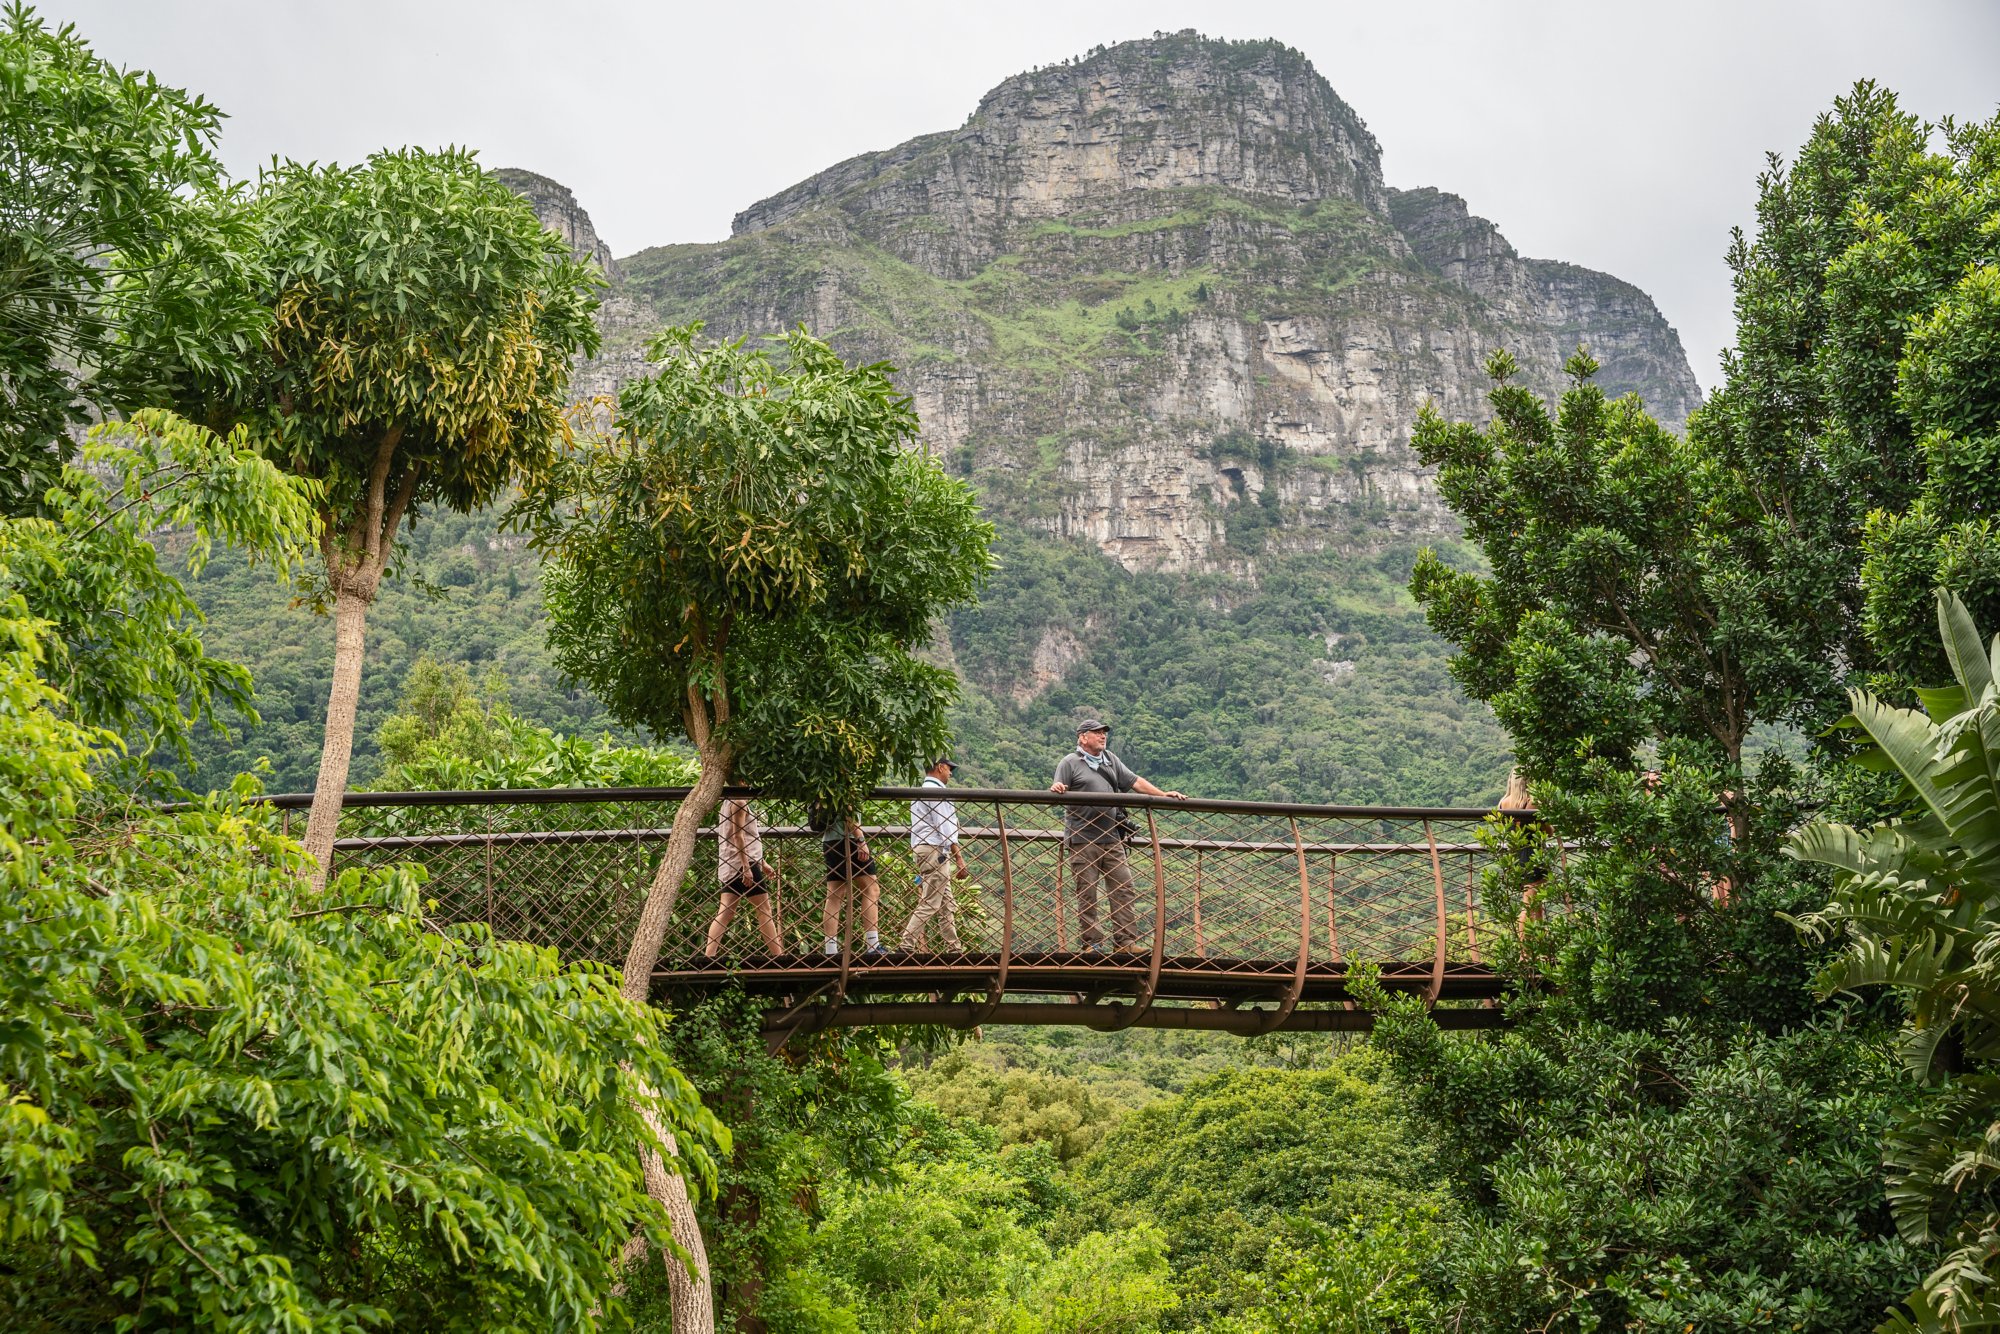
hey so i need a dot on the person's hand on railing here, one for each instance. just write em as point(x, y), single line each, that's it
point(1058, 787)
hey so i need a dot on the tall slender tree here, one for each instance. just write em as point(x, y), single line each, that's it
point(418, 353)
point(751, 560)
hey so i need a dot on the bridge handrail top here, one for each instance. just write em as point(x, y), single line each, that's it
point(563, 796)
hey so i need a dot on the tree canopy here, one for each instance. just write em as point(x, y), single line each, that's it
point(114, 211)
point(1638, 589)
point(752, 559)
point(1860, 399)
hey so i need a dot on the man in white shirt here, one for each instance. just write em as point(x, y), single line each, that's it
point(933, 836)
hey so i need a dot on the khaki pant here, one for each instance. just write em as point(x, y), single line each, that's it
point(1087, 862)
point(934, 899)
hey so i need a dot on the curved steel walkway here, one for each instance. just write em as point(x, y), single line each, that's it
point(1249, 914)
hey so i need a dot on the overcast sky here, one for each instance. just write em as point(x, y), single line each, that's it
point(1623, 137)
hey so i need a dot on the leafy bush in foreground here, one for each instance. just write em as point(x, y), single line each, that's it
point(233, 1104)
point(228, 1101)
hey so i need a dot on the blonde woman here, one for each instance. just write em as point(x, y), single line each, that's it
point(740, 865)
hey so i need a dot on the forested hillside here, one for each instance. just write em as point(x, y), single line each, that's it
point(1324, 686)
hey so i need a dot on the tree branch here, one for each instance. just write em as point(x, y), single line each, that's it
point(370, 518)
point(405, 492)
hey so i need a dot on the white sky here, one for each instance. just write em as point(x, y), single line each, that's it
point(1625, 137)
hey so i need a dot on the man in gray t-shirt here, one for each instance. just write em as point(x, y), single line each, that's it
point(1095, 835)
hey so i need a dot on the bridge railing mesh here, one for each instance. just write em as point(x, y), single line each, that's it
point(1257, 886)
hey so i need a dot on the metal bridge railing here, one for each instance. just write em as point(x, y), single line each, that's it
point(1237, 904)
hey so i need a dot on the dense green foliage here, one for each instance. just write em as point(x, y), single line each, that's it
point(125, 642)
point(849, 1208)
point(1913, 905)
point(1649, 1149)
point(1021, 1106)
point(445, 1142)
point(112, 210)
point(419, 344)
point(1627, 616)
point(231, 1101)
point(1228, 1166)
point(1861, 398)
point(1636, 593)
point(1670, 1142)
point(820, 1115)
point(751, 559)
point(450, 737)
point(1925, 268)
point(967, 1230)
point(1657, 1181)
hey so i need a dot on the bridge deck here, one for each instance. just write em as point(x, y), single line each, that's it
point(1246, 918)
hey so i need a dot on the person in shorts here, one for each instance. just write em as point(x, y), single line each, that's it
point(740, 865)
point(849, 868)
point(1095, 835)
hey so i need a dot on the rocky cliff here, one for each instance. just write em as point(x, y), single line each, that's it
point(1160, 306)
point(556, 206)
point(1158, 298)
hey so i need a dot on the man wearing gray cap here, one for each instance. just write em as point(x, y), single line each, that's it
point(1096, 834)
point(933, 838)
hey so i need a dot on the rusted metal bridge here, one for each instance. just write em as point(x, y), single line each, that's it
point(1249, 914)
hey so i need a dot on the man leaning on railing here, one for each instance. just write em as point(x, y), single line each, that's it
point(1095, 835)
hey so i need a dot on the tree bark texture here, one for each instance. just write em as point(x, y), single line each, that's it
point(350, 623)
point(355, 556)
point(692, 1294)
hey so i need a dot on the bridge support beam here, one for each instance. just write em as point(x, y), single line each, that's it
point(1243, 1022)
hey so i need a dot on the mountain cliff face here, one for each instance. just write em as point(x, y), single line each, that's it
point(1157, 297)
point(1160, 307)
